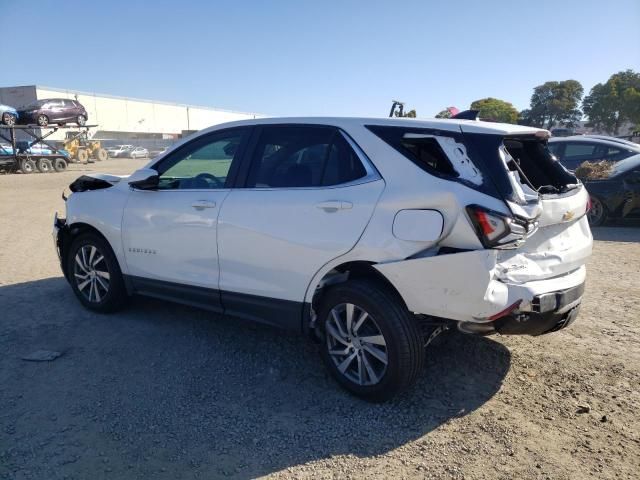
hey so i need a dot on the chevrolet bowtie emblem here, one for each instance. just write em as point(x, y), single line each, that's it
point(568, 215)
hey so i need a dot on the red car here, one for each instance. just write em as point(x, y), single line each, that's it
point(53, 110)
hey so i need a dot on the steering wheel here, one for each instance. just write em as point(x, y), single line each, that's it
point(208, 178)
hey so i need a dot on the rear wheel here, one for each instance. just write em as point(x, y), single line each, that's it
point(59, 164)
point(8, 119)
point(95, 275)
point(44, 165)
point(372, 346)
point(597, 214)
point(27, 166)
point(42, 120)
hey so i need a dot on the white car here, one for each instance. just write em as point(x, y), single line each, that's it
point(138, 152)
point(119, 150)
point(371, 235)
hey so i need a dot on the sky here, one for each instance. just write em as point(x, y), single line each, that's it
point(326, 57)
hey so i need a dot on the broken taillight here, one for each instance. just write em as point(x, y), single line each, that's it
point(497, 230)
point(588, 205)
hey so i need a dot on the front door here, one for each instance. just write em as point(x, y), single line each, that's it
point(169, 234)
point(306, 200)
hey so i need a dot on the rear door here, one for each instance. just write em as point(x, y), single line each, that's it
point(306, 196)
point(54, 109)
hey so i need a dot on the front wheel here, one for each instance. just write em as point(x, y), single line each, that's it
point(597, 214)
point(95, 275)
point(82, 156)
point(372, 346)
point(81, 120)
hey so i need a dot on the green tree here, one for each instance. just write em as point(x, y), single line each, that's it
point(409, 114)
point(496, 110)
point(556, 102)
point(524, 118)
point(444, 114)
point(609, 105)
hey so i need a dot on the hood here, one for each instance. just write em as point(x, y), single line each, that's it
point(94, 181)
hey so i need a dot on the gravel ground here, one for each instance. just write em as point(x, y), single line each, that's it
point(166, 391)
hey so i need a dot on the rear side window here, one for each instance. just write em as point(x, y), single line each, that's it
point(301, 156)
point(422, 149)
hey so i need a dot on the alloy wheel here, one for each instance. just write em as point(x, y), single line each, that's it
point(356, 345)
point(91, 273)
point(43, 121)
point(9, 119)
point(595, 212)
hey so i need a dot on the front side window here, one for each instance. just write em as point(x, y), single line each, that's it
point(204, 164)
point(302, 156)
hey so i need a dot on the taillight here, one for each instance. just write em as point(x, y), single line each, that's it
point(588, 205)
point(496, 230)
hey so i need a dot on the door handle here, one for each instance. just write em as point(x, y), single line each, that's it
point(334, 205)
point(202, 204)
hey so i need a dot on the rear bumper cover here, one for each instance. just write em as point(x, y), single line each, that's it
point(551, 312)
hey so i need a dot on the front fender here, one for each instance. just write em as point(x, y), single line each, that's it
point(101, 210)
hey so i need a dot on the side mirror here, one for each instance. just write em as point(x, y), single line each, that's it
point(144, 179)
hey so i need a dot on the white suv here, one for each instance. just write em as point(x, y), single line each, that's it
point(372, 235)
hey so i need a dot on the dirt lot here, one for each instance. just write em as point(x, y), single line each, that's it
point(165, 391)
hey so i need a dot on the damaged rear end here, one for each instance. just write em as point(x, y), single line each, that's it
point(527, 274)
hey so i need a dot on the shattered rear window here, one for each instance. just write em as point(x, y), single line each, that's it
point(443, 154)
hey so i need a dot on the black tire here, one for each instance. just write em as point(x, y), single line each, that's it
point(597, 214)
point(106, 300)
point(42, 120)
point(8, 119)
point(403, 347)
point(81, 120)
point(44, 165)
point(27, 166)
point(59, 164)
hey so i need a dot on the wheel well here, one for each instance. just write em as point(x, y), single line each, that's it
point(345, 272)
point(68, 234)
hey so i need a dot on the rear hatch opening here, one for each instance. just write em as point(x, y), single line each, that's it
point(537, 171)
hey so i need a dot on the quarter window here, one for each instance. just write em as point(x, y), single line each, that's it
point(203, 164)
point(292, 156)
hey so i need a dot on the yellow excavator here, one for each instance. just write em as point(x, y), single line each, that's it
point(83, 150)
